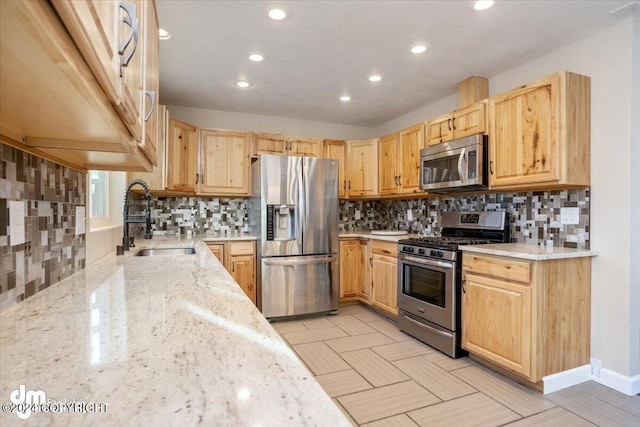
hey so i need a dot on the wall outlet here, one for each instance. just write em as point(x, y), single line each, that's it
point(409, 215)
point(570, 216)
point(16, 222)
point(596, 365)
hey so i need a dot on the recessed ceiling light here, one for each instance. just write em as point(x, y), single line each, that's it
point(345, 98)
point(256, 57)
point(483, 4)
point(375, 78)
point(277, 14)
point(164, 34)
point(419, 48)
point(243, 84)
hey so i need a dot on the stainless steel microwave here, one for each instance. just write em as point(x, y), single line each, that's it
point(455, 166)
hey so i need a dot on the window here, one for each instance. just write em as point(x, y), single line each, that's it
point(99, 197)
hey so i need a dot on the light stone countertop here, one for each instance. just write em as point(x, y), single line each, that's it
point(164, 340)
point(530, 252)
point(229, 237)
point(367, 235)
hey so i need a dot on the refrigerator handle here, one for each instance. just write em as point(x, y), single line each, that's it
point(307, 261)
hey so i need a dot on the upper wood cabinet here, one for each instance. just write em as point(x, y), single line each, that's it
point(457, 124)
point(399, 161)
point(157, 178)
point(335, 149)
point(270, 143)
point(225, 162)
point(362, 168)
point(151, 106)
point(182, 157)
point(69, 115)
point(540, 134)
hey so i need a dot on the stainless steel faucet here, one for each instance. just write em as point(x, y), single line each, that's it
point(127, 241)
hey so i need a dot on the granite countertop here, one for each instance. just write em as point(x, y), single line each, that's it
point(164, 340)
point(531, 252)
point(229, 237)
point(368, 235)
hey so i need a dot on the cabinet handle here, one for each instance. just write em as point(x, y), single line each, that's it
point(349, 184)
point(453, 121)
point(399, 180)
point(344, 185)
point(152, 96)
point(449, 124)
point(131, 20)
point(491, 167)
point(197, 177)
point(464, 286)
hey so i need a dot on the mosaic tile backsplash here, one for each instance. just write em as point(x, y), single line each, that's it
point(50, 194)
point(535, 217)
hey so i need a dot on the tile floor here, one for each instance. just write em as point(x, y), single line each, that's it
point(380, 376)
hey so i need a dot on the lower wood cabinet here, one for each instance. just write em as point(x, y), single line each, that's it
point(384, 276)
point(349, 268)
point(239, 258)
point(364, 283)
point(530, 318)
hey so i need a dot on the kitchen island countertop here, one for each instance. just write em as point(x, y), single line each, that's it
point(163, 340)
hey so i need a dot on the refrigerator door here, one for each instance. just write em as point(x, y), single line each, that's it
point(299, 285)
point(280, 186)
point(319, 206)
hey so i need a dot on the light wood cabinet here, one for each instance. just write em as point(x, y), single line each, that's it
point(335, 149)
point(399, 161)
point(239, 258)
point(157, 178)
point(364, 286)
point(362, 168)
point(225, 162)
point(349, 268)
point(540, 134)
point(384, 276)
point(466, 121)
point(270, 143)
point(529, 318)
point(151, 105)
point(71, 115)
point(182, 152)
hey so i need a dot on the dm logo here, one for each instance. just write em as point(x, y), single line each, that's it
point(26, 400)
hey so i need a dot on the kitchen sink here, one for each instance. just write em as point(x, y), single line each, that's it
point(165, 251)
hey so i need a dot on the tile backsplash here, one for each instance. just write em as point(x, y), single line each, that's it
point(49, 194)
point(534, 216)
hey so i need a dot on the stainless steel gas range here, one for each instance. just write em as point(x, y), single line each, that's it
point(429, 276)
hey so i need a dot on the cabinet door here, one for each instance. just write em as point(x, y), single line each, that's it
point(497, 323)
point(440, 129)
point(335, 149)
point(267, 143)
point(218, 251)
point(309, 147)
point(388, 159)
point(349, 268)
point(362, 167)
point(157, 179)
point(364, 287)
point(182, 157)
point(225, 162)
point(384, 283)
point(243, 269)
point(410, 144)
point(151, 109)
point(470, 120)
point(525, 135)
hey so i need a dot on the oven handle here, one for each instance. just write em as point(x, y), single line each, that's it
point(435, 331)
point(429, 262)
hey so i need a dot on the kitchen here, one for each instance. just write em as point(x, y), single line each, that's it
point(610, 59)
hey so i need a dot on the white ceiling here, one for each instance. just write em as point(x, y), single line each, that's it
point(325, 49)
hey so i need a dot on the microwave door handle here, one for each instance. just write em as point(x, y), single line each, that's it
point(462, 165)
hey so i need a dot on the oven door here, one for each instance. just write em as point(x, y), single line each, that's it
point(427, 289)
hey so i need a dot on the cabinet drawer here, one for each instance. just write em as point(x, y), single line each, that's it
point(380, 247)
point(241, 248)
point(505, 268)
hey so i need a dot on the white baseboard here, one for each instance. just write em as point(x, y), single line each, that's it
point(627, 385)
point(566, 379)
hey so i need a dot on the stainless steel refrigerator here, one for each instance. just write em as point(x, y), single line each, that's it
point(294, 212)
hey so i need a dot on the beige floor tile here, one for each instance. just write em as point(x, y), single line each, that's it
point(514, 396)
point(552, 418)
point(389, 329)
point(446, 362)
point(374, 368)
point(317, 323)
point(358, 341)
point(433, 378)
point(368, 316)
point(350, 309)
point(320, 358)
point(383, 402)
point(402, 350)
point(603, 393)
point(351, 325)
point(302, 337)
point(343, 382)
point(401, 420)
point(474, 410)
point(289, 326)
point(586, 402)
point(346, 414)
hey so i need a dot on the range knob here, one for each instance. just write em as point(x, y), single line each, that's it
point(407, 249)
point(421, 251)
point(435, 253)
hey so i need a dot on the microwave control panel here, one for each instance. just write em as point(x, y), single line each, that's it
point(473, 164)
